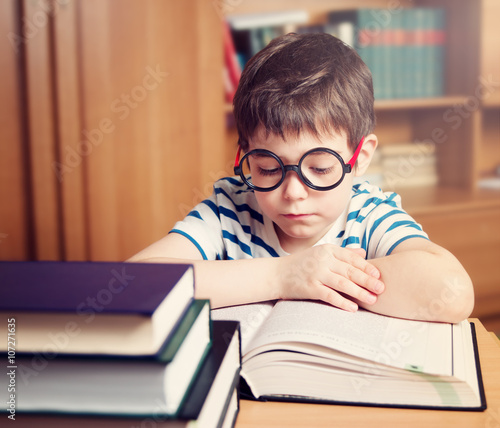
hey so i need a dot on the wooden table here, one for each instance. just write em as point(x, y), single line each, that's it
point(274, 414)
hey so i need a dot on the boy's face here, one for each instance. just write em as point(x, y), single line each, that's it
point(300, 214)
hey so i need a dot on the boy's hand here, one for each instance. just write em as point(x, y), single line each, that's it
point(330, 273)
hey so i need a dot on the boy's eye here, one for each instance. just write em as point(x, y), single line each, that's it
point(266, 166)
point(322, 171)
point(329, 166)
point(268, 172)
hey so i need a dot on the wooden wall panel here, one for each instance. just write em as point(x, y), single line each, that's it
point(98, 85)
point(41, 131)
point(213, 148)
point(140, 78)
point(68, 169)
point(121, 124)
point(13, 203)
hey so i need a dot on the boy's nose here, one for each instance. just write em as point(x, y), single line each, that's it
point(293, 187)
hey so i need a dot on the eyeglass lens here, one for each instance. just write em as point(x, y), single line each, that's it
point(322, 169)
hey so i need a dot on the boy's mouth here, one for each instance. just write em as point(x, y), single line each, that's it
point(297, 216)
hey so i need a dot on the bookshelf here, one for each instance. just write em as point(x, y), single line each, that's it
point(464, 124)
point(470, 104)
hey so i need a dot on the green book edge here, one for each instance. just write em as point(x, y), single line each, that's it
point(172, 345)
point(189, 319)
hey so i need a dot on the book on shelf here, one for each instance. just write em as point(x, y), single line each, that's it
point(313, 352)
point(492, 183)
point(252, 32)
point(403, 165)
point(232, 67)
point(287, 19)
point(404, 48)
point(212, 401)
point(93, 307)
point(408, 165)
point(116, 385)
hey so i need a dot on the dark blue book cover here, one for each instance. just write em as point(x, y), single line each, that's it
point(112, 287)
point(94, 307)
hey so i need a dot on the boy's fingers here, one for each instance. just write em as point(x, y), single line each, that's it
point(340, 283)
point(356, 257)
point(367, 267)
point(335, 299)
point(365, 280)
point(356, 291)
point(354, 264)
point(359, 251)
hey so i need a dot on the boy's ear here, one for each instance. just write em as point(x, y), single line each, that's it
point(365, 154)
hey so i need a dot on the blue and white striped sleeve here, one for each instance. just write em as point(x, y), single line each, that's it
point(388, 225)
point(203, 228)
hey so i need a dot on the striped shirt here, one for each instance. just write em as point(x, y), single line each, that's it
point(230, 225)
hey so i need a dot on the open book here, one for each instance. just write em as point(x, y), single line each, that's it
point(310, 351)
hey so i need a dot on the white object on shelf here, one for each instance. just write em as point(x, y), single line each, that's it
point(248, 21)
point(490, 183)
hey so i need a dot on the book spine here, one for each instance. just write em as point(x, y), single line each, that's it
point(407, 55)
point(437, 42)
point(421, 66)
point(428, 53)
point(232, 67)
point(256, 40)
point(397, 55)
point(368, 48)
point(386, 44)
point(241, 41)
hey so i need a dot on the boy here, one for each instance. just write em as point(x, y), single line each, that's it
point(291, 224)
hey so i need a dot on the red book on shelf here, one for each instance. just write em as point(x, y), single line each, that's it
point(232, 65)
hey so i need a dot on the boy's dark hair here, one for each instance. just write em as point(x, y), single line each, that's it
point(312, 82)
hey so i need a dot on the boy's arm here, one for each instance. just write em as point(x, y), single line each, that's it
point(225, 283)
point(419, 280)
point(299, 276)
point(423, 281)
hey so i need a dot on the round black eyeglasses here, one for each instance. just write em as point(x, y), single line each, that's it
point(319, 168)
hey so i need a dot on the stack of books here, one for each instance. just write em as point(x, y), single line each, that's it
point(98, 343)
point(403, 165)
point(407, 165)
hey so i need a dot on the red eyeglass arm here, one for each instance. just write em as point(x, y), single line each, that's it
point(356, 153)
point(237, 160)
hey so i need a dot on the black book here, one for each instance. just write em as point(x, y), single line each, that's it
point(213, 400)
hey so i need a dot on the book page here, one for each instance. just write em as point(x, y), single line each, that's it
point(251, 317)
point(413, 345)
